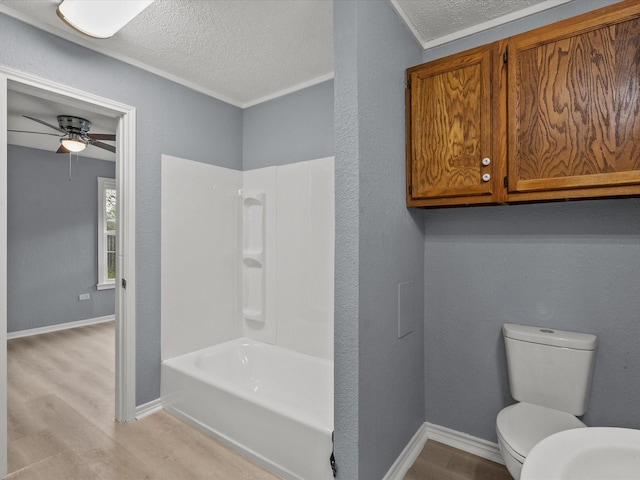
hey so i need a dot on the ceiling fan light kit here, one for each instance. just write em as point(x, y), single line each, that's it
point(74, 134)
point(76, 128)
point(73, 143)
point(100, 18)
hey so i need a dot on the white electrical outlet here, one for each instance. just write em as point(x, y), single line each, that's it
point(84, 296)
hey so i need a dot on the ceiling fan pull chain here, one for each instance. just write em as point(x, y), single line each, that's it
point(69, 166)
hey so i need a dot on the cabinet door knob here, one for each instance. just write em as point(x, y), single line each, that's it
point(486, 177)
point(486, 161)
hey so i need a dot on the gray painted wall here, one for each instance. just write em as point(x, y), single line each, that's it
point(346, 323)
point(52, 240)
point(379, 244)
point(289, 129)
point(171, 119)
point(381, 396)
point(572, 266)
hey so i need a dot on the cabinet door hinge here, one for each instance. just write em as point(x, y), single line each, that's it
point(409, 82)
point(505, 182)
point(505, 57)
point(410, 190)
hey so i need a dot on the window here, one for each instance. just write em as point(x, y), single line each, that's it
point(106, 233)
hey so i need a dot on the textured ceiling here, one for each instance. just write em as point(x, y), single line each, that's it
point(434, 22)
point(248, 51)
point(240, 51)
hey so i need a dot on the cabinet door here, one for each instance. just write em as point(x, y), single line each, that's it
point(573, 111)
point(449, 115)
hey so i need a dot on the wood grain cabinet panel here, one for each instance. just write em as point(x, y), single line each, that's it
point(449, 129)
point(574, 119)
point(556, 110)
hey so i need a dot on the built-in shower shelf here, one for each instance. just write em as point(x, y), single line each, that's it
point(253, 258)
point(253, 213)
point(253, 316)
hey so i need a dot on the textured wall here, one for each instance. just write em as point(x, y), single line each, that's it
point(53, 239)
point(573, 266)
point(391, 245)
point(293, 128)
point(171, 119)
point(347, 265)
point(379, 243)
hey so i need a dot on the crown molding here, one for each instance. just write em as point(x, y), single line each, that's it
point(59, 32)
point(481, 27)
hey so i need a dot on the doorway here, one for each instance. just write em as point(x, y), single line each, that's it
point(15, 81)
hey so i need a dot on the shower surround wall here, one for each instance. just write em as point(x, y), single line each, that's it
point(200, 259)
point(250, 255)
point(226, 274)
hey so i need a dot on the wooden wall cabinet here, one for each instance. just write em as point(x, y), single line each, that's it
point(555, 110)
point(450, 114)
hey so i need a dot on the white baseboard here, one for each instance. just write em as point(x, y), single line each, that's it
point(453, 438)
point(148, 408)
point(464, 442)
point(60, 326)
point(406, 458)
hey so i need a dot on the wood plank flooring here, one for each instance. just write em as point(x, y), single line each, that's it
point(61, 424)
point(61, 420)
point(442, 462)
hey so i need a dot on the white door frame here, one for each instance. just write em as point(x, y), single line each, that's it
point(125, 401)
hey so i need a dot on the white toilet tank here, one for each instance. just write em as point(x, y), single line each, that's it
point(549, 367)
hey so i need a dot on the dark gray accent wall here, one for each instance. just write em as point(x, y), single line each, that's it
point(52, 239)
point(567, 265)
point(171, 119)
point(289, 129)
point(379, 244)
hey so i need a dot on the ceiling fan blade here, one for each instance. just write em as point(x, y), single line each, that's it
point(38, 133)
point(104, 146)
point(61, 149)
point(102, 136)
point(45, 123)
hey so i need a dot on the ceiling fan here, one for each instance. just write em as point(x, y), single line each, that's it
point(74, 134)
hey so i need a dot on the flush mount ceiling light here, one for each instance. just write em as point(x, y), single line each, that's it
point(100, 18)
point(73, 143)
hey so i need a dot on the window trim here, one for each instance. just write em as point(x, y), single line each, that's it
point(103, 282)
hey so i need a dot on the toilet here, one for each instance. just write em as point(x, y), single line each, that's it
point(550, 378)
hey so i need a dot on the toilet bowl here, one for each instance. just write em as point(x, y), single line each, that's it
point(550, 377)
point(521, 426)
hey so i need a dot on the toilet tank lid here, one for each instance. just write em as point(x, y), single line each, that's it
point(550, 336)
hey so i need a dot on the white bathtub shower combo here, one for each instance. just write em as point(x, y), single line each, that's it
point(271, 403)
point(247, 309)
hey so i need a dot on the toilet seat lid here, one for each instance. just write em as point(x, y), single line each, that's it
point(523, 425)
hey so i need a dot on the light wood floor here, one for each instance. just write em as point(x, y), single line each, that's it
point(61, 424)
point(442, 462)
point(61, 420)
